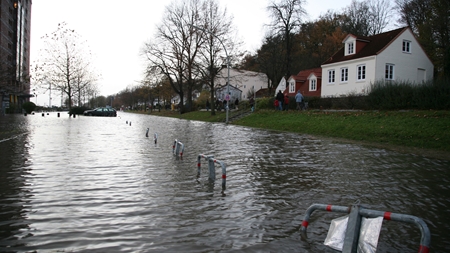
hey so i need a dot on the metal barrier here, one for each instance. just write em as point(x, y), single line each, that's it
point(155, 135)
point(355, 213)
point(212, 169)
point(176, 148)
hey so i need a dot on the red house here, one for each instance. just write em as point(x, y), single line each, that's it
point(308, 81)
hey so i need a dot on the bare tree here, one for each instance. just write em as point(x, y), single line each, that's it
point(173, 51)
point(269, 60)
point(382, 14)
point(287, 17)
point(367, 18)
point(216, 45)
point(64, 63)
point(358, 18)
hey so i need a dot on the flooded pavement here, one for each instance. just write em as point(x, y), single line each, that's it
point(95, 184)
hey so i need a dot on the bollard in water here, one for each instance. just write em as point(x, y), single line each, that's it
point(74, 115)
point(212, 170)
point(130, 123)
point(43, 114)
point(58, 114)
point(146, 134)
point(155, 137)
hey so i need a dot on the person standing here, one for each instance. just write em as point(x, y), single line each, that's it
point(207, 105)
point(280, 98)
point(286, 102)
point(252, 103)
point(217, 104)
point(299, 100)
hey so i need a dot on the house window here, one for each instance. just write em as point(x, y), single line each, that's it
point(350, 48)
point(331, 75)
point(291, 87)
point(389, 75)
point(406, 47)
point(361, 72)
point(312, 84)
point(344, 74)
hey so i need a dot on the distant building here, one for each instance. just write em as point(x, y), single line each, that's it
point(234, 93)
point(248, 82)
point(282, 85)
point(15, 21)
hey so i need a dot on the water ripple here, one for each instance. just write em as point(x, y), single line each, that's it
point(94, 184)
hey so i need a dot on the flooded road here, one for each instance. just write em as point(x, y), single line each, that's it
point(94, 184)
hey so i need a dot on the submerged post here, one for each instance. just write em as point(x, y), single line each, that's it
point(177, 145)
point(212, 169)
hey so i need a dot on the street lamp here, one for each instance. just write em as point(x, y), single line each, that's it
point(228, 66)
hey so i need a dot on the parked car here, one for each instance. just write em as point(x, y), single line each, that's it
point(101, 111)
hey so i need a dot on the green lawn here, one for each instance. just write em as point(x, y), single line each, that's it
point(417, 129)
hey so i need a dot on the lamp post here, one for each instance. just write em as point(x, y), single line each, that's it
point(228, 66)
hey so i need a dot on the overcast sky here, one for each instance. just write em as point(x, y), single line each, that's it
point(116, 31)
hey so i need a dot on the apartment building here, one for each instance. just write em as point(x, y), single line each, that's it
point(15, 24)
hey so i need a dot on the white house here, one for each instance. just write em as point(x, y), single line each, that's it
point(394, 55)
point(244, 80)
point(233, 93)
point(282, 85)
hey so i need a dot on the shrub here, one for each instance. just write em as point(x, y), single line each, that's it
point(406, 95)
point(29, 107)
point(77, 110)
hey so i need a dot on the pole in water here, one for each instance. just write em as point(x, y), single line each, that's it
point(155, 137)
point(126, 122)
point(130, 123)
point(146, 134)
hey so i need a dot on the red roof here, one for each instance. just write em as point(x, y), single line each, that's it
point(373, 46)
point(303, 75)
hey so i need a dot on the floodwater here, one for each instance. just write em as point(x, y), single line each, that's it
point(95, 184)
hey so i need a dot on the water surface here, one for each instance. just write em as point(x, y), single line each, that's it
point(94, 184)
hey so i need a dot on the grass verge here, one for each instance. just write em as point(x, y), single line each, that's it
point(426, 131)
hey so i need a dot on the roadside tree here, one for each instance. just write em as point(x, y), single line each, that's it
point(64, 64)
point(287, 17)
point(215, 30)
point(173, 51)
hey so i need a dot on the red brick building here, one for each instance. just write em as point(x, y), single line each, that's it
point(308, 81)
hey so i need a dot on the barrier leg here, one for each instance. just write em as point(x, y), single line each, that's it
point(352, 232)
point(212, 170)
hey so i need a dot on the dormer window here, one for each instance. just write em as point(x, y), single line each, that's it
point(350, 48)
point(313, 85)
point(292, 87)
point(406, 47)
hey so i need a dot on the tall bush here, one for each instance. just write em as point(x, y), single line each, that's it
point(29, 107)
point(406, 95)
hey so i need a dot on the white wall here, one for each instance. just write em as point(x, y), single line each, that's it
point(281, 86)
point(407, 65)
point(414, 67)
point(352, 86)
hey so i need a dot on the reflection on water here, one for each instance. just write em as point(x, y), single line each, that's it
point(98, 184)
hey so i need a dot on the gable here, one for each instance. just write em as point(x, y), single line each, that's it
point(312, 76)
